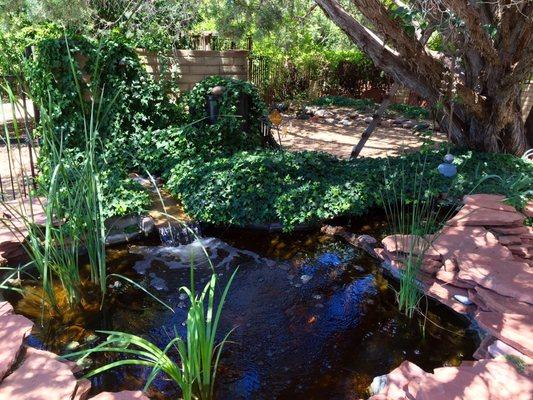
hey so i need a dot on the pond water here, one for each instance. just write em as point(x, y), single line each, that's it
point(313, 318)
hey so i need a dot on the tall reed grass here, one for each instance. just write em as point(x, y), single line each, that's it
point(412, 210)
point(74, 221)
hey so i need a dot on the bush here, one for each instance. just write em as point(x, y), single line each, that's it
point(308, 187)
point(236, 130)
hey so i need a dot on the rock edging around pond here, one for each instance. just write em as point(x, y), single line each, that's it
point(480, 265)
point(27, 373)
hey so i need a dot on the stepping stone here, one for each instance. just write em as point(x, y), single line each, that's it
point(39, 377)
point(484, 380)
point(452, 279)
point(5, 308)
point(521, 251)
point(471, 215)
point(490, 201)
point(508, 278)
point(13, 331)
point(124, 395)
point(513, 329)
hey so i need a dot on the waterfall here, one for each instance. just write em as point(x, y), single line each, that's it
point(174, 235)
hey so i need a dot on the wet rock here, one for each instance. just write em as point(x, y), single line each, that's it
point(147, 225)
point(72, 346)
point(410, 243)
point(305, 278)
point(13, 331)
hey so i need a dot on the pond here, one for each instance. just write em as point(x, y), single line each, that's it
point(312, 317)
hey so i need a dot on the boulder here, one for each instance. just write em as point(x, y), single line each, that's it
point(490, 201)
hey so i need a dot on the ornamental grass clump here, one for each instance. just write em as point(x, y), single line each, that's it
point(414, 214)
point(199, 352)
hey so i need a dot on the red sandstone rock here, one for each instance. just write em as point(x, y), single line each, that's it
point(452, 279)
point(521, 251)
point(39, 377)
point(490, 201)
point(82, 390)
point(31, 351)
point(482, 352)
point(510, 239)
point(397, 381)
point(513, 329)
point(528, 209)
point(124, 395)
point(518, 230)
point(13, 331)
point(498, 348)
point(508, 278)
point(5, 308)
point(484, 380)
point(445, 293)
point(407, 243)
point(469, 239)
point(474, 216)
point(502, 304)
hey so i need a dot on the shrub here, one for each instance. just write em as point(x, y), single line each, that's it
point(308, 187)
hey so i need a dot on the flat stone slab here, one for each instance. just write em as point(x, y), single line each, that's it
point(13, 331)
point(490, 201)
point(124, 395)
point(502, 304)
point(513, 329)
point(484, 380)
point(469, 239)
point(505, 277)
point(471, 215)
point(39, 377)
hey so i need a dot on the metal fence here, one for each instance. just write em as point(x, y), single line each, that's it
point(18, 149)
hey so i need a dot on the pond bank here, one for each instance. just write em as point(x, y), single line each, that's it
point(481, 266)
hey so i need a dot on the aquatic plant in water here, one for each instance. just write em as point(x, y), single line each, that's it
point(199, 353)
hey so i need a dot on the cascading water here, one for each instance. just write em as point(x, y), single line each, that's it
point(174, 235)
